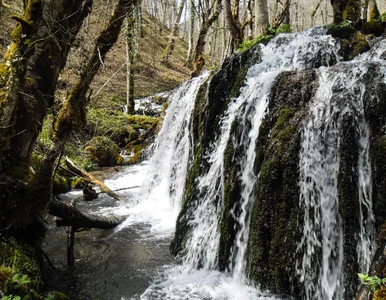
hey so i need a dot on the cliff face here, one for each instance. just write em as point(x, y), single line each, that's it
point(317, 169)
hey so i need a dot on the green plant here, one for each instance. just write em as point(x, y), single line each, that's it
point(11, 297)
point(373, 282)
point(264, 38)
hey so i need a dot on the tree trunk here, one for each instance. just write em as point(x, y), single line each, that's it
point(131, 36)
point(374, 11)
point(29, 72)
point(174, 32)
point(339, 7)
point(234, 29)
point(191, 34)
point(365, 10)
point(82, 173)
point(200, 44)
point(352, 11)
point(283, 17)
point(261, 17)
point(73, 110)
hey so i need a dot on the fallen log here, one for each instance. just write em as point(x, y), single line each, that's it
point(82, 173)
point(71, 216)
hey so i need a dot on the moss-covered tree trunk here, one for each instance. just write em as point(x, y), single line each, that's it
point(200, 44)
point(28, 76)
point(29, 72)
point(73, 111)
point(346, 9)
point(174, 33)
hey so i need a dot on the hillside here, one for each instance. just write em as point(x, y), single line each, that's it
point(105, 117)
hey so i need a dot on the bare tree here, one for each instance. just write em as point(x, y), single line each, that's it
point(206, 24)
point(172, 39)
point(133, 33)
point(233, 22)
point(282, 16)
point(191, 33)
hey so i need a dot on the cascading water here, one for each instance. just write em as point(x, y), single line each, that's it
point(340, 94)
point(287, 52)
point(159, 199)
point(284, 53)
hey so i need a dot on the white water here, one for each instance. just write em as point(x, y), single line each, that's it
point(161, 180)
point(341, 91)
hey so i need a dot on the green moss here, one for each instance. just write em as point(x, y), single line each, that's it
point(264, 38)
point(79, 183)
point(344, 30)
point(282, 129)
point(352, 11)
point(60, 185)
point(353, 42)
point(121, 128)
point(15, 259)
point(240, 81)
point(373, 27)
point(359, 44)
point(136, 158)
point(374, 13)
point(103, 151)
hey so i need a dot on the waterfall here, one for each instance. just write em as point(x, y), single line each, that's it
point(340, 94)
point(159, 200)
point(168, 164)
point(320, 258)
point(286, 52)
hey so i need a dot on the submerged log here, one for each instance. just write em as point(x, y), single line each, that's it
point(71, 216)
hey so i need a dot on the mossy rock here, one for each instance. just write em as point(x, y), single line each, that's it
point(375, 27)
point(103, 151)
point(60, 185)
point(353, 45)
point(79, 183)
point(135, 159)
point(380, 294)
point(344, 30)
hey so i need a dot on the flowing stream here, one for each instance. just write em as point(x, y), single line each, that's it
point(133, 260)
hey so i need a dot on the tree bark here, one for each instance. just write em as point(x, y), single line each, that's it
point(233, 26)
point(72, 112)
point(200, 44)
point(374, 11)
point(82, 173)
point(191, 34)
point(346, 9)
point(131, 37)
point(173, 34)
point(261, 17)
point(30, 69)
point(283, 17)
point(365, 10)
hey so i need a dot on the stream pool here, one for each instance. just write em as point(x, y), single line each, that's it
point(116, 263)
